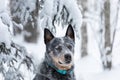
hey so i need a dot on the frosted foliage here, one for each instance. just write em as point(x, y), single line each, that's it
point(61, 11)
point(12, 56)
point(22, 9)
point(4, 34)
point(6, 29)
point(11, 60)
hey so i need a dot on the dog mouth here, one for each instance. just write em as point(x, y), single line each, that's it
point(61, 63)
point(64, 62)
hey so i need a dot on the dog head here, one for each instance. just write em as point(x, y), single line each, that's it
point(60, 50)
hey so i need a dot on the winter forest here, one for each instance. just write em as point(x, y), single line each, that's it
point(96, 24)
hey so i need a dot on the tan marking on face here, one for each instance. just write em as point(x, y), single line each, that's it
point(58, 59)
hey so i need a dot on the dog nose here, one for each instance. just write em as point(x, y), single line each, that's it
point(68, 58)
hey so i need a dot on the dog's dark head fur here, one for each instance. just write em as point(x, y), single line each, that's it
point(60, 51)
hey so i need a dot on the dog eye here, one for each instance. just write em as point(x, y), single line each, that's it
point(59, 48)
point(69, 47)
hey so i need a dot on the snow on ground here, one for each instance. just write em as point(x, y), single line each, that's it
point(86, 67)
point(89, 68)
point(114, 74)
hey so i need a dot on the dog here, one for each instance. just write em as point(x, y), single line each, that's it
point(58, 63)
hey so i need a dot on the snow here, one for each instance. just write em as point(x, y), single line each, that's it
point(36, 51)
point(4, 34)
point(107, 75)
point(87, 68)
point(54, 8)
point(3, 5)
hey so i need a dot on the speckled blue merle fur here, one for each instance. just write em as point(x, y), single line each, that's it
point(58, 63)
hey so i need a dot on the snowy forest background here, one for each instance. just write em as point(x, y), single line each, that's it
point(96, 24)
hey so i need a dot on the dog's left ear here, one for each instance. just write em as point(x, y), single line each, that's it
point(48, 36)
point(70, 33)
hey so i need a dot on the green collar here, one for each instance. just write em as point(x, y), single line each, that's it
point(63, 71)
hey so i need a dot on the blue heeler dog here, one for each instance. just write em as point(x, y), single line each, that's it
point(58, 63)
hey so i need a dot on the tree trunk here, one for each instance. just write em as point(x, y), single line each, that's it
point(84, 40)
point(84, 37)
point(31, 26)
point(25, 12)
point(107, 63)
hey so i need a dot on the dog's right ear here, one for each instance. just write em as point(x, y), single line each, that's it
point(48, 36)
point(70, 32)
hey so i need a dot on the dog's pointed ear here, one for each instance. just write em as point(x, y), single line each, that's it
point(48, 36)
point(70, 33)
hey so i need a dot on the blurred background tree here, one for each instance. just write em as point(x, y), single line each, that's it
point(26, 14)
